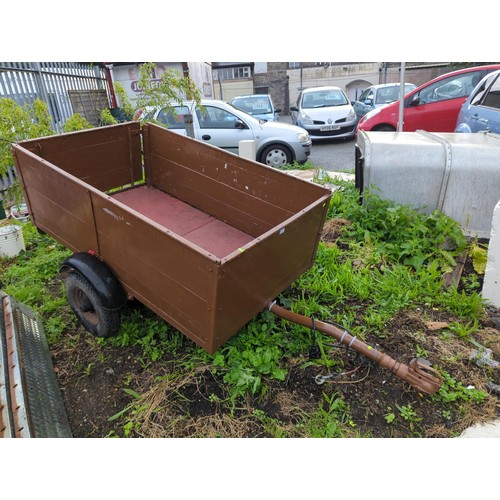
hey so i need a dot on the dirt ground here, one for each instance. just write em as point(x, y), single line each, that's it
point(92, 378)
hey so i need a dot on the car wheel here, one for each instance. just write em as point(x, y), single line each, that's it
point(276, 156)
point(384, 128)
point(88, 308)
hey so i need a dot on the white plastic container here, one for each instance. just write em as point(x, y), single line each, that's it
point(457, 174)
point(11, 241)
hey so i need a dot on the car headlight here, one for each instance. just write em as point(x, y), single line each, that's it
point(351, 116)
point(303, 137)
point(306, 119)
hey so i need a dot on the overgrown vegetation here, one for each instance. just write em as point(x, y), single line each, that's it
point(378, 273)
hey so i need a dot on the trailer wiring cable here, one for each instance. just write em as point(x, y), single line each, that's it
point(315, 353)
point(314, 349)
point(321, 379)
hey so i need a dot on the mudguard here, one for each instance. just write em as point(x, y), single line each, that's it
point(99, 275)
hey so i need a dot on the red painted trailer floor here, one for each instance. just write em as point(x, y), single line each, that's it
point(209, 233)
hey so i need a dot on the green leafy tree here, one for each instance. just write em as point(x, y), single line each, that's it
point(171, 87)
point(76, 122)
point(18, 123)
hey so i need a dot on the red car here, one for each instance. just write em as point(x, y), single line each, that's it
point(434, 106)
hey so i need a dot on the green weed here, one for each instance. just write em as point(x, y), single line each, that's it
point(143, 329)
point(251, 358)
point(332, 419)
point(453, 391)
point(272, 426)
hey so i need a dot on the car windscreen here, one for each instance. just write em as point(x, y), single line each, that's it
point(253, 105)
point(391, 94)
point(323, 99)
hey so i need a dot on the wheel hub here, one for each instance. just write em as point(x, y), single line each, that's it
point(276, 158)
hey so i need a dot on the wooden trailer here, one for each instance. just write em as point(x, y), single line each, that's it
point(204, 238)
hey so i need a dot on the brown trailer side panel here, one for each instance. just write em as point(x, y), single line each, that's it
point(163, 271)
point(243, 193)
point(105, 158)
point(251, 280)
point(58, 204)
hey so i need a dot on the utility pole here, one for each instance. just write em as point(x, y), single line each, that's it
point(401, 97)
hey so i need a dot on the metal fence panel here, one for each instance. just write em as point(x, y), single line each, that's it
point(51, 82)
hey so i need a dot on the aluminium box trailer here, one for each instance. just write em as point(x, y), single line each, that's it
point(457, 174)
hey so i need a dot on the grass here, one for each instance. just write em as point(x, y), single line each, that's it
point(388, 259)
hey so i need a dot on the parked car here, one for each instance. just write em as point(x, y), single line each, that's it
point(325, 112)
point(481, 111)
point(379, 95)
point(434, 106)
point(258, 105)
point(222, 125)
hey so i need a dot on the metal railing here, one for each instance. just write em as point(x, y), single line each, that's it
point(50, 82)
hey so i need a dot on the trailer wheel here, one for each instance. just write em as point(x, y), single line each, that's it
point(88, 308)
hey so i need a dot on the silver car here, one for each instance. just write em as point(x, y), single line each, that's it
point(257, 105)
point(325, 112)
point(222, 125)
point(481, 110)
point(379, 95)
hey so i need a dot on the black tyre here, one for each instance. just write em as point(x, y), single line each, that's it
point(385, 128)
point(87, 305)
point(276, 156)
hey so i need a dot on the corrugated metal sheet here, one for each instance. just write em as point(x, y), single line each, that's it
point(52, 82)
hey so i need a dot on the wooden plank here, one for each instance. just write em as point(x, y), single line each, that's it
point(247, 213)
point(89, 104)
point(252, 279)
point(59, 205)
point(105, 158)
point(222, 184)
point(158, 267)
point(213, 235)
point(452, 279)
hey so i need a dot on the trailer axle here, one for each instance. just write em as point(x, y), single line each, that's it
point(418, 374)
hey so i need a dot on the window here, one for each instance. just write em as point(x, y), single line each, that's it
point(364, 96)
point(476, 99)
point(492, 99)
point(233, 73)
point(387, 95)
point(324, 98)
point(450, 88)
point(212, 117)
point(173, 118)
point(253, 105)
